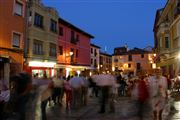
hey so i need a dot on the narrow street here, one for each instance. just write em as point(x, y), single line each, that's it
point(125, 110)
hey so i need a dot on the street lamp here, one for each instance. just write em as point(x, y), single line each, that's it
point(70, 53)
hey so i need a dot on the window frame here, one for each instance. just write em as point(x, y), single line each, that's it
point(130, 57)
point(142, 55)
point(38, 49)
point(53, 26)
point(61, 31)
point(38, 22)
point(129, 65)
point(51, 47)
point(167, 42)
point(20, 39)
point(20, 3)
point(60, 50)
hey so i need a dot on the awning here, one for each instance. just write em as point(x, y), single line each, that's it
point(73, 66)
point(167, 62)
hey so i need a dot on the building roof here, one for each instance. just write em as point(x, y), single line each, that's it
point(122, 48)
point(133, 51)
point(158, 14)
point(106, 54)
point(95, 46)
point(68, 24)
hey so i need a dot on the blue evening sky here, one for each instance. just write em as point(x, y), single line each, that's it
point(114, 23)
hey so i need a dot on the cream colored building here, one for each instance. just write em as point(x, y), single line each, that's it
point(132, 61)
point(105, 62)
point(95, 55)
point(167, 37)
point(42, 38)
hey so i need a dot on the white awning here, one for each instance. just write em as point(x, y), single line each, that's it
point(73, 66)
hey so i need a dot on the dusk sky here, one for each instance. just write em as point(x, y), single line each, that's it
point(113, 23)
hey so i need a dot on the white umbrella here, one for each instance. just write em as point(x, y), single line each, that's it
point(104, 80)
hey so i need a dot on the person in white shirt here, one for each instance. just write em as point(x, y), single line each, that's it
point(84, 90)
point(76, 84)
point(158, 93)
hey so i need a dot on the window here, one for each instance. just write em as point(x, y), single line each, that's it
point(37, 47)
point(52, 50)
point(142, 55)
point(38, 20)
point(60, 50)
point(60, 31)
point(91, 61)
point(72, 56)
point(76, 53)
point(18, 8)
point(166, 42)
point(53, 26)
point(95, 52)
point(91, 50)
point(129, 65)
point(138, 66)
point(73, 37)
point(160, 42)
point(77, 38)
point(16, 40)
point(130, 57)
point(115, 60)
point(95, 63)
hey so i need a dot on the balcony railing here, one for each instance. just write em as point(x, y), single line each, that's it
point(38, 52)
point(177, 11)
point(74, 41)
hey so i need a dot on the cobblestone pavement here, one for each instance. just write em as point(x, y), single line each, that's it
point(125, 110)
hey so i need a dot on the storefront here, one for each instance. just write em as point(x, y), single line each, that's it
point(71, 70)
point(34, 67)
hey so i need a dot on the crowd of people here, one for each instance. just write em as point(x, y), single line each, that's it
point(148, 91)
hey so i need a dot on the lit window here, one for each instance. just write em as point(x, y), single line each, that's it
point(18, 8)
point(16, 40)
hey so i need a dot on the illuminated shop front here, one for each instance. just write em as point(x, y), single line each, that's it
point(71, 70)
point(41, 68)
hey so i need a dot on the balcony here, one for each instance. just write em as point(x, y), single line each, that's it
point(177, 11)
point(38, 52)
point(52, 54)
point(74, 41)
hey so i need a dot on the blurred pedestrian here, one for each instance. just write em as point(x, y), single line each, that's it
point(105, 82)
point(76, 84)
point(143, 96)
point(58, 90)
point(158, 90)
point(20, 93)
point(68, 92)
point(84, 89)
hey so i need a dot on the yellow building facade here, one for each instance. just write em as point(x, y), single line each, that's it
point(41, 40)
point(167, 37)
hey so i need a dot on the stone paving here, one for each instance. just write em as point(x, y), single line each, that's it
point(125, 110)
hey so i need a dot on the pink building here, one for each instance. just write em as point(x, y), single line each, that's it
point(73, 49)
